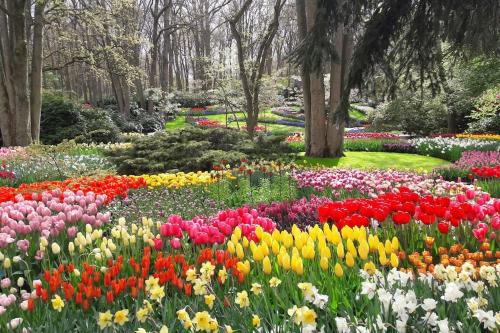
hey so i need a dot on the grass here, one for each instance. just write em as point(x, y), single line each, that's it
point(358, 115)
point(178, 123)
point(377, 160)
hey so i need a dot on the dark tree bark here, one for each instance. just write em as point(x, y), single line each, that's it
point(306, 86)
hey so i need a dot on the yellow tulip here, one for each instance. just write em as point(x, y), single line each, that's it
point(349, 259)
point(275, 247)
point(230, 247)
point(363, 250)
point(285, 261)
point(339, 272)
point(245, 242)
point(351, 248)
point(287, 240)
point(323, 263)
point(258, 253)
point(266, 265)
point(239, 251)
point(340, 250)
point(394, 244)
point(243, 267)
point(394, 260)
point(347, 233)
point(276, 235)
point(370, 268)
point(325, 252)
point(388, 246)
point(299, 269)
point(382, 258)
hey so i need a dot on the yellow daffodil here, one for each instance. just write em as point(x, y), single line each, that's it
point(121, 317)
point(274, 282)
point(255, 320)
point(57, 303)
point(209, 301)
point(242, 299)
point(105, 319)
point(202, 320)
point(157, 293)
point(256, 288)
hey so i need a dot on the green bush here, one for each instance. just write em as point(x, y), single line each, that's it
point(187, 99)
point(486, 116)
point(410, 114)
point(60, 119)
point(193, 149)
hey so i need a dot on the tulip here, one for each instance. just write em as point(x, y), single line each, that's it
point(175, 243)
point(339, 272)
point(349, 259)
point(266, 265)
point(323, 263)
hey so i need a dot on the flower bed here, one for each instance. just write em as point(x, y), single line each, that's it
point(398, 251)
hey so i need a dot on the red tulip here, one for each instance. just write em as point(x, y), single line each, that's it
point(443, 227)
point(401, 217)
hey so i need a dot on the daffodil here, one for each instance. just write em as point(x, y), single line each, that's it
point(121, 317)
point(157, 293)
point(222, 275)
point(182, 315)
point(151, 282)
point(256, 288)
point(255, 320)
point(202, 320)
point(242, 299)
point(274, 282)
point(105, 319)
point(57, 303)
point(209, 301)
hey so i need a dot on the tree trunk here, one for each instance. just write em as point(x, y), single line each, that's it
point(14, 74)
point(306, 87)
point(338, 78)
point(318, 115)
point(36, 71)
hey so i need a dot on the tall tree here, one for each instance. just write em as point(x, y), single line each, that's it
point(306, 85)
point(251, 74)
point(419, 26)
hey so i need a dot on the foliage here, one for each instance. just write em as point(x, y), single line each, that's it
point(411, 114)
point(192, 149)
point(186, 99)
point(61, 119)
point(486, 115)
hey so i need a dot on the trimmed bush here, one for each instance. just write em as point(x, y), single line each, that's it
point(193, 149)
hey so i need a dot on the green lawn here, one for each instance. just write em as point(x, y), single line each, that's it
point(377, 160)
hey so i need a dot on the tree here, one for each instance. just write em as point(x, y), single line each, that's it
point(251, 74)
point(418, 27)
point(20, 98)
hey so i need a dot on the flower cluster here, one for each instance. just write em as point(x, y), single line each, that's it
point(477, 159)
point(371, 135)
point(340, 181)
point(428, 210)
point(111, 186)
point(487, 172)
point(216, 229)
point(180, 179)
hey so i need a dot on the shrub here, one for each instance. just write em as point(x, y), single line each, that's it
point(63, 119)
point(187, 99)
point(99, 127)
point(60, 119)
point(193, 149)
point(410, 114)
point(486, 116)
